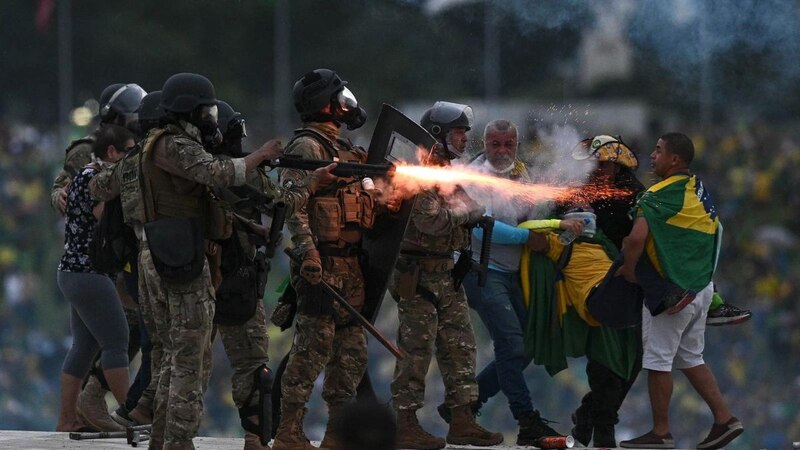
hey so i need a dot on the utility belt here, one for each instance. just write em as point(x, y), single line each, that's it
point(346, 251)
point(409, 268)
point(427, 262)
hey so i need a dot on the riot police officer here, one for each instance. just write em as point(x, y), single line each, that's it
point(119, 104)
point(431, 312)
point(174, 277)
point(243, 265)
point(326, 235)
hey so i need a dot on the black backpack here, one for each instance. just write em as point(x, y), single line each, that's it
point(113, 243)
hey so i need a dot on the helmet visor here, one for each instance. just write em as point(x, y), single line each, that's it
point(347, 101)
point(447, 113)
point(127, 99)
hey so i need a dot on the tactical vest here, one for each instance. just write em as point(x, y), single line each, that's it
point(336, 216)
point(129, 188)
point(166, 195)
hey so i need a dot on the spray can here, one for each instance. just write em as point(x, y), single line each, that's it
point(555, 442)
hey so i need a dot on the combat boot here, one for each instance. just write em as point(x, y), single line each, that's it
point(410, 435)
point(253, 442)
point(141, 414)
point(465, 431)
point(290, 434)
point(331, 440)
point(92, 407)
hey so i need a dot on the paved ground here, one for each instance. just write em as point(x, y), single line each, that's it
point(44, 440)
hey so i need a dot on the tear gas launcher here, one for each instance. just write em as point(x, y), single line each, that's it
point(343, 169)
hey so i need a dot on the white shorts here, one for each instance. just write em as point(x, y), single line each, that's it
point(676, 341)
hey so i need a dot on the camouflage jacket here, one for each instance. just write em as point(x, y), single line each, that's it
point(78, 155)
point(314, 222)
point(434, 226)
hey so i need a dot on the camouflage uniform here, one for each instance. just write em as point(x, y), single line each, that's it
point(78, 155)
point(436, 314)
point(182, 312)
point(122, 179)
point(325, 336)
point(247, 344)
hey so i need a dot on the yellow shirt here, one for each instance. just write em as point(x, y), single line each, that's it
point(586, 269)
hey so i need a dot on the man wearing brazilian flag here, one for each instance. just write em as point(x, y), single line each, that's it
point(678, 230)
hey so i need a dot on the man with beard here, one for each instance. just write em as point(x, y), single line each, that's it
point(500, 302)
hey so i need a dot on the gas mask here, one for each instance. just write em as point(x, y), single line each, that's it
point(344, 107)
point(204, 117)
point(231, 144)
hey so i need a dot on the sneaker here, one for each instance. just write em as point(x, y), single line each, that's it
point(532, 426)
point(120, 415)
point(727, 314)
point(675, 302)
point(650, 440)
point(721, 435)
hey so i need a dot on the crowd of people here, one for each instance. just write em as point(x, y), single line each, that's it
point(747, 169)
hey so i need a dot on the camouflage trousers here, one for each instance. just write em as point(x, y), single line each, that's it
point(147, 399)
point(326, 338)
point(439, 321)
point(246, 346)
point(182, 315)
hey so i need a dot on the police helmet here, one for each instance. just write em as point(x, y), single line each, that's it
point(444, 116)
point(105, 96)
point(314, 90)
point(150, 111)
point(122, 106)
point(183, 92)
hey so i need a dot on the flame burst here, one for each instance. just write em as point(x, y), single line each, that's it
point(413, 178)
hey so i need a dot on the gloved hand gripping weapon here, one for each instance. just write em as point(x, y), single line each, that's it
point(398, 353)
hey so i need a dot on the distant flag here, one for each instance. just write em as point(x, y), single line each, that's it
point(44, 10)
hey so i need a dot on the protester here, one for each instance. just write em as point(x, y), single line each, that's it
point(97, 320)
point(676, 228)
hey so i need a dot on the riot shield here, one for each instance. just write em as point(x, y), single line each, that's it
point(396, 139)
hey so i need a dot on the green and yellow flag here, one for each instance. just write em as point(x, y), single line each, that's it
point(684, 228)
point(555, 328)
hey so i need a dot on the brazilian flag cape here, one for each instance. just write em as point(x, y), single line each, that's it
point(550, 339)
point(684, 230)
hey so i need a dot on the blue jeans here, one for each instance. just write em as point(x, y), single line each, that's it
point(501, 308)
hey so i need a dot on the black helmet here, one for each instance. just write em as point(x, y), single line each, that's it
point(108, 92)
point(443, 117)
point(183, 92)
point(314, 90)
point(230, 120)
point(150, 111)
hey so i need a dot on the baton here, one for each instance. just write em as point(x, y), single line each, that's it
point(80, 436)
point(399, 354)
